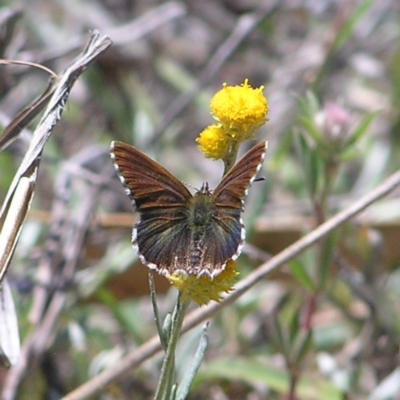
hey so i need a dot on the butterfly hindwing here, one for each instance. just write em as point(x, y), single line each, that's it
point(162, 239)
point(227, 232)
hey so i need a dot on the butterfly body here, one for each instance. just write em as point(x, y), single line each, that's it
point(178, 232)
point(201, 209)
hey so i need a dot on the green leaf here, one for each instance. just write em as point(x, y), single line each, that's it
point(301, 346)
point(255, 372)
point(188, 378)
point(301, 275)
point(309, 107)
point(311, 129)
point(278, 336)
point(166, 327)
point(327, 248)
point(347, 28)
point(294, 330)
point(309, 104)
point(174, 392)
point(311, 164)
point(361, 128)
point(315, 171)
point(305, 156)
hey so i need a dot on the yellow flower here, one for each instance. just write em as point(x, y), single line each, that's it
point(240, 110)
point(203, 289)
point(212, 142)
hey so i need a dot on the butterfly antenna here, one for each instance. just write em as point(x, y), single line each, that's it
point(205, 188)
point(191, 186)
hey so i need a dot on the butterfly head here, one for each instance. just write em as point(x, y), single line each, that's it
point(201, 208)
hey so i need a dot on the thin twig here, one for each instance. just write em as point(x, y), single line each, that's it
point(152, 346)
point(146, 23)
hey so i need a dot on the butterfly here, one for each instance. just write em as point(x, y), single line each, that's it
point(178, 232)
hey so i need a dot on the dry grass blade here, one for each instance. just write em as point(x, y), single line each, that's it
point(13, 219)
point(24, 117)
point(13, 129)
point(24, 179)
point(9, 335)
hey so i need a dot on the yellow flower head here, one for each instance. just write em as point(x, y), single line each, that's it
point(240, 109)
point(212, 142)
point(203, 289)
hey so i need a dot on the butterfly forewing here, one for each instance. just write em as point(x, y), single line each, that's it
point(147, 182)
point(232, 190)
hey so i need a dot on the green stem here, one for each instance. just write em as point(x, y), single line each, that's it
point(153, 296)
point(331, 169)
point(168, 368)
point(229, 162)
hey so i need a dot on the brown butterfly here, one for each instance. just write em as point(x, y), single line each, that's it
point(179, 232)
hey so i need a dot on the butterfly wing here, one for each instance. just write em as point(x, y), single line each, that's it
point(232, 190)
point(229, 196)
point(147, 183)
point(161, 235)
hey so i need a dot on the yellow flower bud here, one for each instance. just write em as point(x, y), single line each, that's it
point(213, 142)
